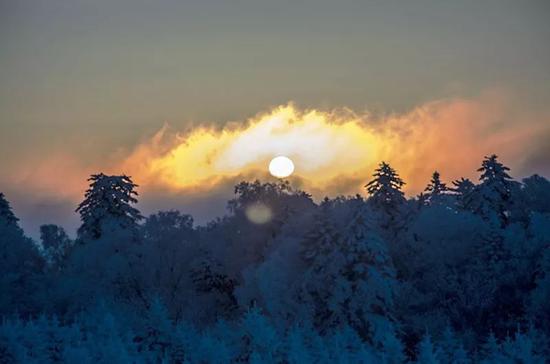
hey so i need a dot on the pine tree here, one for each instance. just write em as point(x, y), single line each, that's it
point(156, 333)
point(6, 214)
point(350, 280)
point(452, 349)
point(385, 188)
point(56, 245)
point(494, 194)
point(385, 193)
point(490, 350)
point(435, 189)
point(464, 189)
point(536, 192)
point(20, 265)
point(107, 205)
point(322, 238)
point(427, 353)
point(372, 278)
point(322, 251)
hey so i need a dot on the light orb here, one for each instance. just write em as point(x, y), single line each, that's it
point(281, 167)
point(258, 213)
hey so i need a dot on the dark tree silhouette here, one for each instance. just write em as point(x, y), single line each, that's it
point(385, 188)
point(108, 204)
point(435, 188)
point(56, 244)
point(386, 195)
point(494, 194)
point(6, 214)
point(384, 279)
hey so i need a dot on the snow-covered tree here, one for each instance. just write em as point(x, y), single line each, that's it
point(323, 252)
point(385, 192)
point(463, 189)
point(428, 353)
point(209, 279)
point(20, 264)
point(168, 250)
point(113, 266)
point(372, 280)
point(168, 225)
point(493, 196)
point(539, 304)
point(322, 239)
point(7, 216)
point(385, 188)
point(347, 280)
point(435, 189)
point(452, 349)
point(108, 205)
point(536, 193)
point(350, 279)
point(56, 244)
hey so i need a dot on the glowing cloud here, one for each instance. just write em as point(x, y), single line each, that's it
point(336, 151)
point(322, 145)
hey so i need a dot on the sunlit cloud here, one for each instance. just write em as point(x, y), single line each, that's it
point(322, 146)
point(336, 151)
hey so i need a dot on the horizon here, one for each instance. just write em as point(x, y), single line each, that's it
point(217, 211)
point(175, 93)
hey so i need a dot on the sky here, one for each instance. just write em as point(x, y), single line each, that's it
point(189, 97)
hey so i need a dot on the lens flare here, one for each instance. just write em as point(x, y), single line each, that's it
point(258, 213)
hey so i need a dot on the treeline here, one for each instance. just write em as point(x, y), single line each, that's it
point(457, 274)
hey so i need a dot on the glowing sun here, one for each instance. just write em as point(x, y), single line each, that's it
point(281, 167)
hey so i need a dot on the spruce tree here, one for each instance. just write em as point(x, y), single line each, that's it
point(435, 189)
point(55, 244)
point(6, 214)
point(427, 352)
point(322, 251)
point(385, 188)
point(463, 189)
point(494, 194)
point(108, 205)
point(385, 193)
point(20, 265)
point(372, 278)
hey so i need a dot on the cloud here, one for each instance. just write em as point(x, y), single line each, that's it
point(336, 151)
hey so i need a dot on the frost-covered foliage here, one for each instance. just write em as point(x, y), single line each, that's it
point(455, 275)
point(107, 206)
point(386, 195)
point(55, 244)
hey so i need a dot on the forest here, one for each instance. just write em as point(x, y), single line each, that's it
point(457, 274)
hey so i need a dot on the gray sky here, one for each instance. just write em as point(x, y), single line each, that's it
point(90, 78)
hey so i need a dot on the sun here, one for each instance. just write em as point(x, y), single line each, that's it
point(281, 167)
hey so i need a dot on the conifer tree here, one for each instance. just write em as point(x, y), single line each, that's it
point(20, 264)
point(385, 188)
point(322, 238)
point(322, 250)
point(372, 279)
point(493, 197)
point(463, 188)
point(56, 244)
point(108, 205)
point(435, 189)
point(6, 214)
point(427, 352)
point(385, 192)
